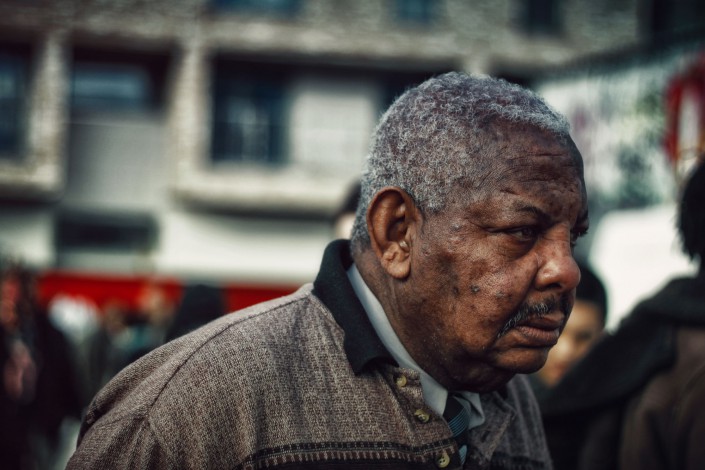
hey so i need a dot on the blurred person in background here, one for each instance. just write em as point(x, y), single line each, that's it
point(127, 333)
point(18, 379)
point(200, 304)
point(38, 385)
point(584, 328)
point(157, 310)
point(404, 352)
point(79, 320)
point(109, 347)
point(636, 400)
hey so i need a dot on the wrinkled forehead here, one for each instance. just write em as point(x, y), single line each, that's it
point(544, 163)
point(517, 153)
point(554, 177)
point(517, 140)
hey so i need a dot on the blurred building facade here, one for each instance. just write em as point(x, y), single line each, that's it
point(215, 138)
point(638, 120)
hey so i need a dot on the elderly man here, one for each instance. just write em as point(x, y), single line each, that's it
point(402, 353)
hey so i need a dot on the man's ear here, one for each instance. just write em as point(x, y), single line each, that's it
point(392, 218)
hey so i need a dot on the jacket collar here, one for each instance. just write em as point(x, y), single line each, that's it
point(362, 345)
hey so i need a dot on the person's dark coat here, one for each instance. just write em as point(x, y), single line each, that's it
point(635, 402)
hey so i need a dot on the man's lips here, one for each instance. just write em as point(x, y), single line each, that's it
point(541, 330)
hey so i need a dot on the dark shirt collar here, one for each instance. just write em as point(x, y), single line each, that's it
point(362, 345)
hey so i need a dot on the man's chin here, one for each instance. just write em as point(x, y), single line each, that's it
point(498, 380)
point(505, 373)
point(493, 373)
point(524, 361)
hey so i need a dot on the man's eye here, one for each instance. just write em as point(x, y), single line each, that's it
point(575, 235)
point(525, 234)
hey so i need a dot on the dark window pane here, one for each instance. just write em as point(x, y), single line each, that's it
point(12, 79)
point(275, 7)
point(415, 11)
point(117, 80)
point(248, 119)
point(110, 86)
point(117, 232)
point(540, 17)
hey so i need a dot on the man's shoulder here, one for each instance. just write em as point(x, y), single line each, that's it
point(192, 367)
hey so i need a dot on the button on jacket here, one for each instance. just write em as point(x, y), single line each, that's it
point(298, 382)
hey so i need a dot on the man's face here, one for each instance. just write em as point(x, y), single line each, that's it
point(492, 281)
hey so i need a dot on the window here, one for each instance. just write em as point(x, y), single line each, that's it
point(104, 241)
point(12, 98)
point(270, 7)
point(100, 231)
point(415, 11)
point(116, 81)
point(249, 117)
point(540, 17)
point(109, 86)
point(285, 137)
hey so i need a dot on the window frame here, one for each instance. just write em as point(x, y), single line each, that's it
point(265, 92)
point(36, 171)
point(290, 189)
point(148, 70)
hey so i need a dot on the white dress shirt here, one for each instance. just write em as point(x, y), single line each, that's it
point(435, 395)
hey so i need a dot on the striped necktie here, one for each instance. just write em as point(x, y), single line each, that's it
point(458, 420)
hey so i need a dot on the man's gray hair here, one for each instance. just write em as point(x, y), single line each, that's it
point(434, 138)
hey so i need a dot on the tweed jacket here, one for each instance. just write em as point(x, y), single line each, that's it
point(298, 382)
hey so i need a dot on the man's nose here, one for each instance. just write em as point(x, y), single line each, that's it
point(558, 268)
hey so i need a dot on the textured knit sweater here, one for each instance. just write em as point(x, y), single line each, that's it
point(299, 382)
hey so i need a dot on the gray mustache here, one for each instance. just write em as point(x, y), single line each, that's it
point(536, 310)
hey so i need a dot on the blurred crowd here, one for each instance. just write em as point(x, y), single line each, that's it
point(40, 384)
point(54, 359)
